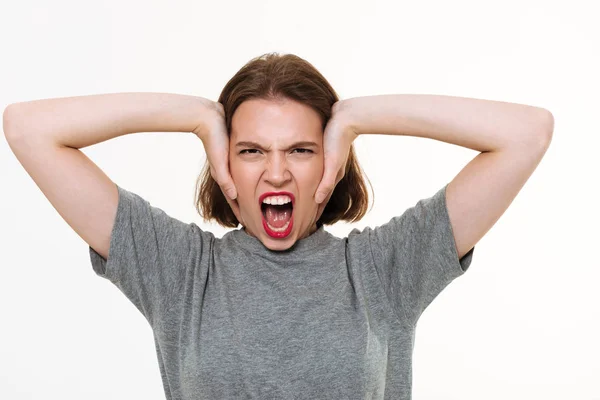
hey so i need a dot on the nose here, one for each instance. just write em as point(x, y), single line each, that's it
point(276, 170)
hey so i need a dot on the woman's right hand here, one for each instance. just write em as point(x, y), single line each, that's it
point(212, 131)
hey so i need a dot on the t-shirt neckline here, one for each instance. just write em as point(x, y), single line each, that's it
point(310, 244)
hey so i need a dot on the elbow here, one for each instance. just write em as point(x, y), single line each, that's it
point(9, 121)
point(547, 124)
point(547, 128)
point(539, 131)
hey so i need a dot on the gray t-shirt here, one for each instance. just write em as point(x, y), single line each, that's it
point(330, 318)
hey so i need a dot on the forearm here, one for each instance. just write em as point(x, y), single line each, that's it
point(482, 125)
point(86, 120)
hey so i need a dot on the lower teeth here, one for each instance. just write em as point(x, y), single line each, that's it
point(283, 228)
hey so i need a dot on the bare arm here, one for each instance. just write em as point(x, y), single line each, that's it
point(45, 136)
point(86, 120)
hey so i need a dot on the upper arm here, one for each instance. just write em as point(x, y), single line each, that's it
point(84, 196)
point(482, 191)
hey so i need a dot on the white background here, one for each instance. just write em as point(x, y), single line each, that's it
point(522, 323)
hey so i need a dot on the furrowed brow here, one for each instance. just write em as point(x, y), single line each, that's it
point(293, 146)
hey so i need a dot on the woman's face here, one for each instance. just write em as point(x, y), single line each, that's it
point(265, 155)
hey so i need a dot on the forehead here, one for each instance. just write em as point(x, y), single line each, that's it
point(270, 121)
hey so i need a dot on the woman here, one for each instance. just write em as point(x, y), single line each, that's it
point(280, 308)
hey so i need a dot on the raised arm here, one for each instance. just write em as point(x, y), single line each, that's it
point(45, 136)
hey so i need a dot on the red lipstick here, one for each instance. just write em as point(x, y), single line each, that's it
point(270, 232)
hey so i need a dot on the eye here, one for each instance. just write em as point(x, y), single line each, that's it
point(242, 152)
point(252, 151)
point(305, 151)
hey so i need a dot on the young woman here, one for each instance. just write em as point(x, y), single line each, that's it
point(280, 308)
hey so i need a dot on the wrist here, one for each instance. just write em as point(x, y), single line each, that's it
point(210, 111)
point(346, 117)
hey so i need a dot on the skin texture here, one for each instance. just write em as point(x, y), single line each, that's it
point(274, 166)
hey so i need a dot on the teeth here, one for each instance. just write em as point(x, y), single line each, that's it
point(277, 200)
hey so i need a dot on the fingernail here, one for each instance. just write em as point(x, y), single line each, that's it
point(231, 193)
point(319, 198)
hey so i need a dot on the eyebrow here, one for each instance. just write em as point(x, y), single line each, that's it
point(294, 145)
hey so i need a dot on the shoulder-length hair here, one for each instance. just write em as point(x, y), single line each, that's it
point(272, 76)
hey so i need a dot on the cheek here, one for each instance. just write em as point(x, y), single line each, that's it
point(311, 175)
point(241, 173)
point(308, 179)
point(234, 167)
point(245, 180)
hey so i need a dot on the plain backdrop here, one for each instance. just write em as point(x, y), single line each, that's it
point(522, 323)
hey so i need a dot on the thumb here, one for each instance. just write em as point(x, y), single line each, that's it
point(326, 186)
point(225, 182)
point(229, 190)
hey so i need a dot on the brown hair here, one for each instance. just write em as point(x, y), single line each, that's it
point(271, 77)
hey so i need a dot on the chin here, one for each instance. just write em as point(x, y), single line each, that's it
point(275, 244)
point(271, 243)
point(278, 244)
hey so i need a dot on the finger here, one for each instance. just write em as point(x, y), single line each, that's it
point(224, 180)
point(327, 183)
point(322, 206)
point(229, 189)
point(235, 207)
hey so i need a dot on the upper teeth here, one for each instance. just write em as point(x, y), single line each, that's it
point(277, 200)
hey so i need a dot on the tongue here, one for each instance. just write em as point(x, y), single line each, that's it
point(278, 216)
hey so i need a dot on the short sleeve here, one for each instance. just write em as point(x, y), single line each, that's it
point(151, 255)
point(415, 256)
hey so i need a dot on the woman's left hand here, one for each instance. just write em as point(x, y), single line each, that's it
point(337, 139)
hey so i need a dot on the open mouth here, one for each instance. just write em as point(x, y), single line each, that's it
point(277, 219)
